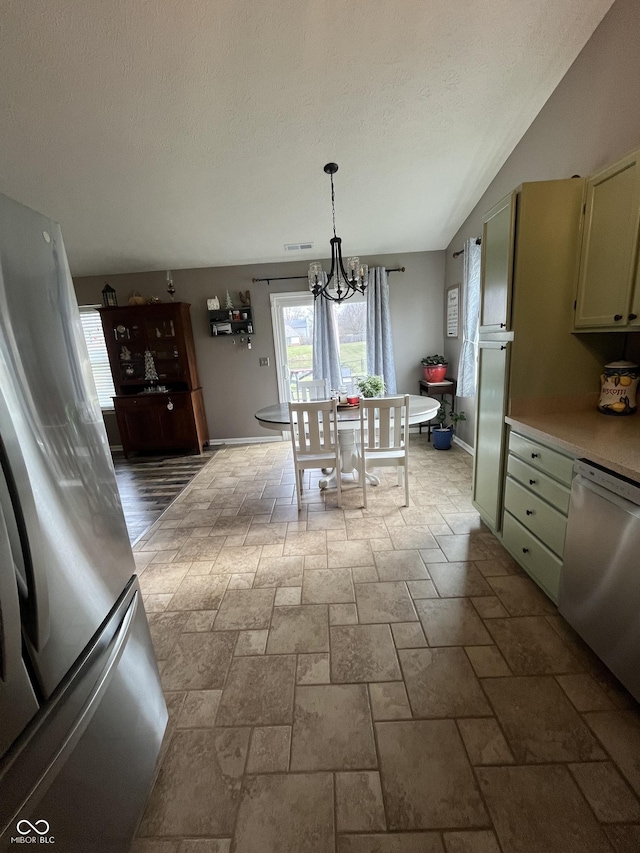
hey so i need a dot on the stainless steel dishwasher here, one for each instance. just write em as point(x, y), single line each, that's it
point(600, 579)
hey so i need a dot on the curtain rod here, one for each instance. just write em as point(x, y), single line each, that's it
point(461, 252)
point(291, 277)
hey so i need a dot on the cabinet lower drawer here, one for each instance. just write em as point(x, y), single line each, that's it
point(536, 559)
point(545, 522)
point(539, 483)
point(542, 457)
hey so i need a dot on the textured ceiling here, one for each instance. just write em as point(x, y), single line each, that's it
point(193, 133)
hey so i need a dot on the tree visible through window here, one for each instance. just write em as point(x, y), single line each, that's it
point(94, 336)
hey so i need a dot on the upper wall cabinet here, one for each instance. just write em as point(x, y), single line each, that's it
point(608, 295)
point(498, 230)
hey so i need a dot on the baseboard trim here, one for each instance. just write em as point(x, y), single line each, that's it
point(253, 440)
point(464, 445)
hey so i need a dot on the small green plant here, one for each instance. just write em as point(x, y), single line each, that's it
point(454, 417)
point(434, 360)
point(370, 386)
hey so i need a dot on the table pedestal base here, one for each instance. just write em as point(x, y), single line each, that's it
point(349, 461)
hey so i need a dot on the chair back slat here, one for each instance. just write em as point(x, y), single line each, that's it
point(385, 425)
point(313, 389)
point(313, 426)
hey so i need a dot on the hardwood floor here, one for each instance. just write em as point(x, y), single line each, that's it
point(148, 484)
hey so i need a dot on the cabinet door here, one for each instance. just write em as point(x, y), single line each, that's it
point(490, 431)
point(609, 247)
point(138, 424)
point(177, 424)
point(497, 266)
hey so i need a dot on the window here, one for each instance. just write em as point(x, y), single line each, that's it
point(292, 316)
point(93, 335)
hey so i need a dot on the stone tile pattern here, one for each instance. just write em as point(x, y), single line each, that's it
point(379, 681)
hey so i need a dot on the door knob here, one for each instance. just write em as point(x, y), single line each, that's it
point(617, 317)
point(535, 455)
point(525, 550)
point(633, 316)
point(529, 511)
point(532, 482)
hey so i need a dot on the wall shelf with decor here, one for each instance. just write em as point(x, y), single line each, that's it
point(225, 322)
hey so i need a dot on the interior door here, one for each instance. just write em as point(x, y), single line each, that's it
point(488, 474)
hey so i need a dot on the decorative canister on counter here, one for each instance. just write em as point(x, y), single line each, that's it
point(618, 385)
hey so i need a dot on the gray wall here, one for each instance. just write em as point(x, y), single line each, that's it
point(234, 386)
point(591, 119)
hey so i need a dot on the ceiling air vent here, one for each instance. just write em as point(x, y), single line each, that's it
point(296, 247)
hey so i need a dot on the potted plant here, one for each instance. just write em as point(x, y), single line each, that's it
point(443, 435)
point(370, 386)
point(434, 367)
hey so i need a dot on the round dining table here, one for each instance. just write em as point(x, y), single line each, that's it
point(276, 417)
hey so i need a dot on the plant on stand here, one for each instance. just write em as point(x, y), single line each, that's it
point(434, 367)
point(443, 434)
point(370, 386)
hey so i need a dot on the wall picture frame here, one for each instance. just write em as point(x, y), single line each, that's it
point(452, 312)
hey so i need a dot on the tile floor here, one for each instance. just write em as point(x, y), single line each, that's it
point(385, 681)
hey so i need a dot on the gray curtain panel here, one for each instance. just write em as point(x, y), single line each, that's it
point(380, 360)
point(471, 297)
point(326, 345)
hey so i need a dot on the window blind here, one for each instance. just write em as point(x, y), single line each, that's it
point(93, 335)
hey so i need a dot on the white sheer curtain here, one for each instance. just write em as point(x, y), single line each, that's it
point(326, 343)
point(467, 366)
point(380, 361)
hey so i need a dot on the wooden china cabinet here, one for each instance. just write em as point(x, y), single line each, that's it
point(166, 413)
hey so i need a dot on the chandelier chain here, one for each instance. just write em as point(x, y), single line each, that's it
point(333, 206)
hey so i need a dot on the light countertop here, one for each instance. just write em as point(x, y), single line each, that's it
point(613, 442)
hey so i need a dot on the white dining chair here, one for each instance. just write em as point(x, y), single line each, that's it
point(314, 436)
point(313, 389)
point(384, 438)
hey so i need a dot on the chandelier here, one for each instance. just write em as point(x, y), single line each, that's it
point(346, 284)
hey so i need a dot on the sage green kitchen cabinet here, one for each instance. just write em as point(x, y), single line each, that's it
point(527, 352)
point(608, 292)
point(497, 266)
point(490, 430)
point(536, 505)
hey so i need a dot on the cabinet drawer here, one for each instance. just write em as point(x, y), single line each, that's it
point(537, 560)
point(539, 483)
point(544, 458)
point(542, 520)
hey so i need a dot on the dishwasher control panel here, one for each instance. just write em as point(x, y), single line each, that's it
point(616, 483)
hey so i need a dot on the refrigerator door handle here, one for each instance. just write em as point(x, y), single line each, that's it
point(10, 629)
point(37, 622)
point(27, 774)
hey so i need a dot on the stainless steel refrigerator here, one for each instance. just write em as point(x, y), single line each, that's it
point(81, 709)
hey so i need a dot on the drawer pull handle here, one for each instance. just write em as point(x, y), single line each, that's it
point(633, 316)
point(529, 511)
point(525, 550)
point(617, 317)
point(535, 455)
point(532, 482)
